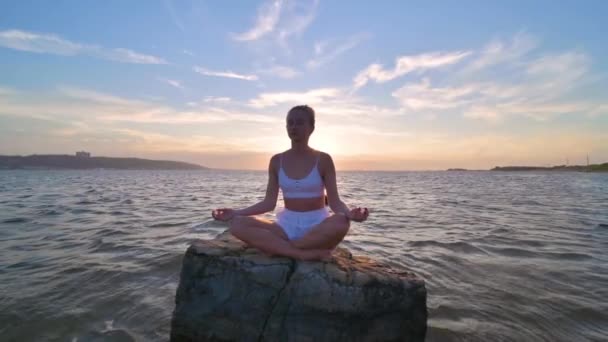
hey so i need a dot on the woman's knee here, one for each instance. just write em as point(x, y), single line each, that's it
point(238, 222)
point(341, 223)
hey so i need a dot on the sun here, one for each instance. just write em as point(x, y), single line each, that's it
point(327, 143)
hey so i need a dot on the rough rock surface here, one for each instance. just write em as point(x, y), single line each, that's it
point(228, 292)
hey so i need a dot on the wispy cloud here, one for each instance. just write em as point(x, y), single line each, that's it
point(227, 74)
point(174, 16)
point(298, 16)
point(280, 71)
point(407, 64)
point(70, 103)
point(421, 96)
point(538, 87)
point(266, 21)
point(53, 44)
point(280, 20)
point(322, 57)
point(308, 97)
point(216, 99)
point(500, 51)
point(173, 83)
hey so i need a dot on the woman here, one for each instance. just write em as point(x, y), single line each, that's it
point(304, 229)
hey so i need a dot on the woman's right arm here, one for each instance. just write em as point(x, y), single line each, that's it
point(272, 192)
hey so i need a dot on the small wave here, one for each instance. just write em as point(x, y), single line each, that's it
point(168, 224)
point(513, 252)
point(500, 230)
point(602, 225)
point(531, 243)
point(15, 220)
point(99, 245)
point(569, 256)
point(80, 211)
point(127, 201)
point(527, 202)
point(459, 246)
point(109, 232)
point(167, 263)
point(112, 335)
point(85, 202)
point(50, 212)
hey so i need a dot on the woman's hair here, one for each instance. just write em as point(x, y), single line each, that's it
point(307, 109)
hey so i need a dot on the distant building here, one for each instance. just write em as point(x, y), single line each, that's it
point(83, 154)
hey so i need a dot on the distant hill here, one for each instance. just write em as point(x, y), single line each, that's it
point(579, 168)
point(50, 161)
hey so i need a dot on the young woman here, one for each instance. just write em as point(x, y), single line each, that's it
point(304, 229)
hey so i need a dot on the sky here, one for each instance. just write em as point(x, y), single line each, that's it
point(396, 85)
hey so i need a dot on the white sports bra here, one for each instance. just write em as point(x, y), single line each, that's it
point(310, 186)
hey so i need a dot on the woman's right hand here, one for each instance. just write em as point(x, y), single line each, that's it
point(223, 214)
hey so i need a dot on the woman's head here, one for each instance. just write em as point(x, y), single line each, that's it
point(300, 122)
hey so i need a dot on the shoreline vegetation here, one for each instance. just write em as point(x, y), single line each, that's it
point(569, 168)
point(79, 162)
point(86, 162)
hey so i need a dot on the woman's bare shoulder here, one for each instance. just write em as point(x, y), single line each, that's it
point(324, 156)
point(325, 160)
point(275, 161)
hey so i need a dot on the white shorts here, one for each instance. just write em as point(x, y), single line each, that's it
point(297, 223)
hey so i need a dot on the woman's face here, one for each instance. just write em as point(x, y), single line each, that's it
point(298, 125)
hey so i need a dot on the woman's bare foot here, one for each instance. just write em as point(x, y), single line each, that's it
point(314, 254)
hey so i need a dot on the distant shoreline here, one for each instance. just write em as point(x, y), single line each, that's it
point(568, 168)
point(71, 162)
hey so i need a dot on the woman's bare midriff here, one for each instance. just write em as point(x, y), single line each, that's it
point(304, 204)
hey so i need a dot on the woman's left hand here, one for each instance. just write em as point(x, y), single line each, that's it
point(358, 214)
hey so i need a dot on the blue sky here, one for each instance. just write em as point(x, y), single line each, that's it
point(396, 85)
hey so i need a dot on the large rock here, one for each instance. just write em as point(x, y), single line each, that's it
point(228, 292)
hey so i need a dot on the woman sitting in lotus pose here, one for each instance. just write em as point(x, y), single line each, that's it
point(304, 229)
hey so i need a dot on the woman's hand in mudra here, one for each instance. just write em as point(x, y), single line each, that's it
point(223, 214)
point(358, 214)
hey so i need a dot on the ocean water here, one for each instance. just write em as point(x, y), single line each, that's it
point(96, 255)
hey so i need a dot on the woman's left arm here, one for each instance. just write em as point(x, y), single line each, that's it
point(335, 203)
point(329, 178)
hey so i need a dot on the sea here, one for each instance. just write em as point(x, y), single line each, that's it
point(95, 255)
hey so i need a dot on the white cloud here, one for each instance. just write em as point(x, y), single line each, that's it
point(53, 44)
point(215, 99)
point(280, 20)
point(407, 64)
point(322, 58)
point(298, 16)
point(173, 83)
point(280, 71)
point(320, 47)
point(96, 97)
point(176, 20)
point(537, 87)
point(267, 19)
point(227, 74)
point(188, 52)
point(420, 96)
point(500, 52)
point(130, 56)
point(308, 97)
point(70, 104)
